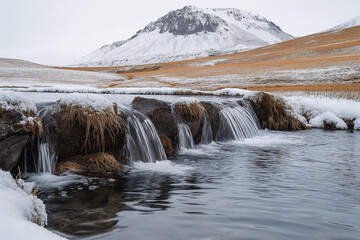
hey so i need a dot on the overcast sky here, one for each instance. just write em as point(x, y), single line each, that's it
point(58, 32)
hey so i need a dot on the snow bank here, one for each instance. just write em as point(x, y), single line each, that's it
point(88, 101)
point(10, 100)
point(187, 100)
point(320, 109)
point(145, 91)
point(19, 209)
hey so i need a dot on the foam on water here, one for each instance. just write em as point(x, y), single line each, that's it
point(202, 149)
point(50, 181)
point(165, 167)
point(268, 139)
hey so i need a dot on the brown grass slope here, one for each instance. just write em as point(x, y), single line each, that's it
point(260, 67)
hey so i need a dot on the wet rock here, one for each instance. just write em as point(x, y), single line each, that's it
point(191, 113)
point(350, 124)
point(16, 128)
point(166, 142)
point(159, 112)
point(329, 126)
point(274, 113)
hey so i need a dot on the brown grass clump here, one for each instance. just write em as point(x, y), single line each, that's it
point(96, 124)
point(167, 144)
point(190, 111)
point(273, 113)
point(91, 163)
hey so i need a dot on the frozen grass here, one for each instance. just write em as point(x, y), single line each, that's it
point(189, 108)
point(95, 113)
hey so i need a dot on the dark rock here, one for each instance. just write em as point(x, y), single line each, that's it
point(10, 150)
point(329, 126)
point(159, 112)
point(350, 124)
point(14, 136)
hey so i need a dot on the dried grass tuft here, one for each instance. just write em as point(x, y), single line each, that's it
point(91, 163)
point(190, 111)
point(96, 124)
point(274, 113)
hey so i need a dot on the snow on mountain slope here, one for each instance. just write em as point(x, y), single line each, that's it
point(189, 33)
point(351, 23)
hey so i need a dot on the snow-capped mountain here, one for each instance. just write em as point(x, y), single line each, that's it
point(189, 33)
point(351, 23)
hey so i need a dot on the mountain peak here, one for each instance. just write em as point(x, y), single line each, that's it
point(187, 33)
point(185, 21)
point(350, 23)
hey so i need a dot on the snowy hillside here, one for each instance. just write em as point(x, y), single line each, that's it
point(189, 33)
point(351, 23)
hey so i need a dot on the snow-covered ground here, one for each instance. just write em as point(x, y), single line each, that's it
point(18, 73)
point(19, 209)
point(328, 74)
point(320, 109)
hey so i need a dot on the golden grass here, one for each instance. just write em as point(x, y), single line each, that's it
point(274, 113)
point(91, 163)
point(96, 125)
point(190, 111)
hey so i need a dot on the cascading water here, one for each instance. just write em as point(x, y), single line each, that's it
point(185, 136)
point(236, 123)
point(46, 153)
point(207, 134)
point(143, 142)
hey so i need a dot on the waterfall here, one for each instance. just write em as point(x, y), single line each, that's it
point(185, 136)
point(46, 152)
point(207, 134)
point(236, 123)
point(143, 142)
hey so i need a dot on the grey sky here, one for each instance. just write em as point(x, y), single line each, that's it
point(58, 32)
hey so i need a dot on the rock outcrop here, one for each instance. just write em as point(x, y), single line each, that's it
point(18, 124)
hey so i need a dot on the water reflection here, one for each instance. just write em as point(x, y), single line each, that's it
point(294, 190)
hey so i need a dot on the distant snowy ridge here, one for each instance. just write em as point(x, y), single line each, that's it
point(189, 33)
point(351, 23)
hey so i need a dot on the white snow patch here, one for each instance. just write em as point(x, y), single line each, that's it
point(332, 110)
point(328, 117)
point(165, 166)
point(19, 208)
point(206, 63)
point(10, 100)
point(88, 101)
point(187, 100)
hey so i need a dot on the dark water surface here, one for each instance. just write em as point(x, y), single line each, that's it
point(295, 185)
